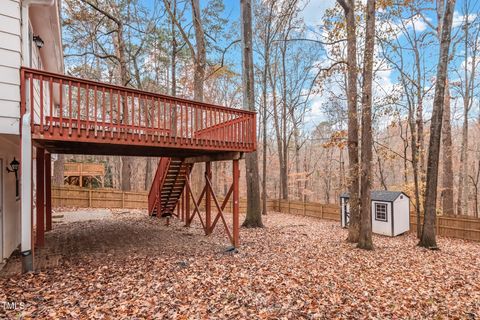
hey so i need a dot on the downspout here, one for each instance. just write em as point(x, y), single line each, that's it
point(26, 177)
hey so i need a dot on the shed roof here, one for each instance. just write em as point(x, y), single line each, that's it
point(381, 195)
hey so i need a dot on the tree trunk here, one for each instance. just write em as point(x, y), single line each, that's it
point(264, 147)
point(462, 182)
point(266, 65)
point(447, 180)
point(428, 239)
point(174, 52)
point(305, 182)
point(414, 149)
point(58, 170)
point(475, 182)
point(420, 142)
point(284, 167)
point(254, 214)
point(469, 60)
point(297, 146)
point(201, 57)
point(198, 83)
point(125, 79)
point(276, 126)
point(365, 238)
point(353, 169)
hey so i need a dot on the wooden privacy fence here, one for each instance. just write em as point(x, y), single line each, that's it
point(110, 198)
point(311, 209)
point(461, 227)
point(97, 198)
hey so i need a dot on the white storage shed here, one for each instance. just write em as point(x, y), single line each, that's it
point(390, 212)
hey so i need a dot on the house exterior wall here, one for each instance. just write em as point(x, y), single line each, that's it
point(401, 210)
point(11, 205)
point(10, 62)
point(16, 50)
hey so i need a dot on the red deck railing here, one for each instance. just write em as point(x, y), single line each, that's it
point(65, 108)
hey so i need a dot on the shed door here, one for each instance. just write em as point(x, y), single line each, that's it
point(346, 210)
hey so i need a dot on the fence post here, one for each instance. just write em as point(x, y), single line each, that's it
point(123, 200)
point(321, 211)
point(89, 198)
point(289, 207)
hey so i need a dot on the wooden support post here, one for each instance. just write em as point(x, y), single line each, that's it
point(178, 207)
point(40, 199)
point(183, 204)
point(187, 206)
point(90, 198)
point(188, 221)
point(208, 198)
point(236, 220)
point(48, 191)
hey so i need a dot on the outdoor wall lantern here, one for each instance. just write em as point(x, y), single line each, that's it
point(14, 168)
point(38, 41)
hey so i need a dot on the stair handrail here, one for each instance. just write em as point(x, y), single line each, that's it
point(157, 182)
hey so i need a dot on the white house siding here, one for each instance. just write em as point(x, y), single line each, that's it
point(10, 233)
point(382, 227)
point(401, 210)
point(10, 61)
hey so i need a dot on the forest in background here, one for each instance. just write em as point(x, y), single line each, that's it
point(192, 49)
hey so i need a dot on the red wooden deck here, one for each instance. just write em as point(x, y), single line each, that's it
point(72, 115)
point(78, 116)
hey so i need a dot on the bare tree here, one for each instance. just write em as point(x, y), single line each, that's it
point(475, 182)
point(428, 238)
point(414, 89)
point(365, 237)
point(266, 36)
point(254, 213)
point(467, 85)
point(447, 178)
point(353, 158)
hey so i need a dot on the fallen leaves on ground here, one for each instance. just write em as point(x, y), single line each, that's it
point(297, 267)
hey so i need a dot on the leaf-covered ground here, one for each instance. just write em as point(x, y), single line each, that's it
point(131, 266)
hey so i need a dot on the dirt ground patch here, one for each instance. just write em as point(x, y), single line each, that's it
point(130, 265)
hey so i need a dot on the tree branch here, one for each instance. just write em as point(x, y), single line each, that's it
point(180, 28)
point(105, 13)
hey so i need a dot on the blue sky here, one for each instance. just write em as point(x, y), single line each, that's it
point(313, 16)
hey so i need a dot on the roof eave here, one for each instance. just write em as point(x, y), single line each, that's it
point(45, 21)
